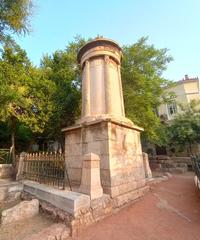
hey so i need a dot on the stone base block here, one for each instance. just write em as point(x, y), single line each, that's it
point(71, 202)
point(129, 197)
point(119, 148)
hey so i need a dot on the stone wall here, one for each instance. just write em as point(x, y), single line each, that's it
point(170, 164)
point(6, 171)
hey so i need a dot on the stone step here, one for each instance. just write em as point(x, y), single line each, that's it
point(55, 231)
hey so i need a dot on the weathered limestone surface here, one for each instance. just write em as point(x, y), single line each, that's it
point(19, 175)
point(101, 79)
point(6, 170)
point(171, 164)
point(197, 182)
point(119, 149)
point(53, 232)
point(90, 181)
point(21, 211)
point(10, 191)
point(3, 193)
point(147, 169)
point(71, 202)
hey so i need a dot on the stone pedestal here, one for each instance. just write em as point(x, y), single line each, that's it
point(118, 146)
point(90, 180)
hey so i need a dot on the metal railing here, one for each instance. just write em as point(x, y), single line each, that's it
point(6, 156)
point(47, 168)
point(196, 165)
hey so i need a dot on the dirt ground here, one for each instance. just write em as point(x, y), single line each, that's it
point(170, 211)
point(24, 229)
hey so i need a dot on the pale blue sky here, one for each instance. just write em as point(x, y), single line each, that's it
point(172, 24)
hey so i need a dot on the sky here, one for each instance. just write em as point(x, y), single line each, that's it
point(171, 24)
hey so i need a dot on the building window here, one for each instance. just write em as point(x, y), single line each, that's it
point(172, 108)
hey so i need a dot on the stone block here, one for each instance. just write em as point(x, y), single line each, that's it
point(104, 161)
point(73, 161)
point(124, 199)
point(71, 202)
point(55, 231)
point(105, 177)
point(21, 211)
point(74, 149)
point(6, 171)
point(94, 147)
point(73, 136)
point(90, 181)
point(74, 175)
point(3, 193)
point(121, 189)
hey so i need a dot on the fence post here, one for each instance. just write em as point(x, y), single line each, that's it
point(20, 166)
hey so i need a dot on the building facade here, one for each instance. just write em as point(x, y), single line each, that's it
point(185, 90)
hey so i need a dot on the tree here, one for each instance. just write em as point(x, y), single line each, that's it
point(143, 86)
point(25, 93)
point(185, 128)
point(62, 69)
point(14, 17)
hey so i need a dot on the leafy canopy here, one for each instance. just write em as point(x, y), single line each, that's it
point(62, 69)
point(25, 93)
point(185, 128)
point(14, 17)
point(142, 69)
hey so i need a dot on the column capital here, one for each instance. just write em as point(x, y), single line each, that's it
point(106, 58)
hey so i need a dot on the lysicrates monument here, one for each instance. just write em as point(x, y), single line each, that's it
point(103, 129)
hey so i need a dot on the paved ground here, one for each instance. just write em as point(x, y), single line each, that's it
point(171, 211)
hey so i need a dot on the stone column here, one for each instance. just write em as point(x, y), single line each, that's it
point(121, 91)
point(86, 90)
point(108, 87)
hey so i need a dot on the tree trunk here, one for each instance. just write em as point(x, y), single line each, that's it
point(190, 149)
point(13, 130)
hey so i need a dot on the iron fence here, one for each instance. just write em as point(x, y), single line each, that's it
point(5, 156)
point(47, 168)
point(196, 165)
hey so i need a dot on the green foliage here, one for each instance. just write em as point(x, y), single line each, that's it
point(142, 68)
point(62, 69)
point(14, 17)
point(185, 128)
point(25, 93)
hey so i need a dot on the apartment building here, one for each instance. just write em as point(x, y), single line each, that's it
point(185, 90)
